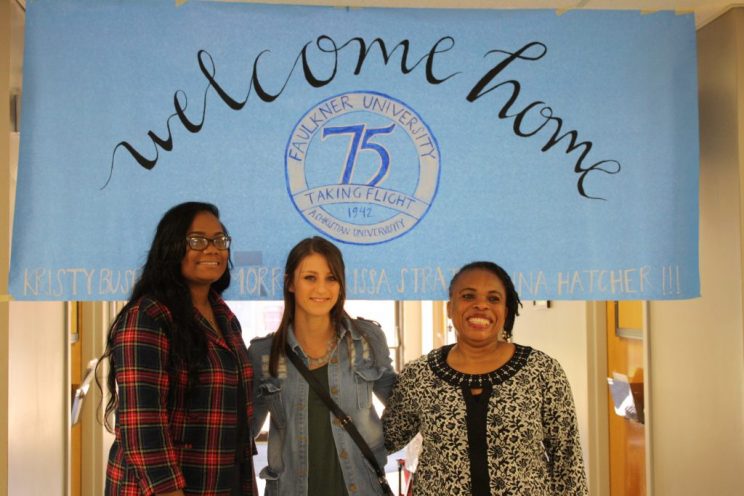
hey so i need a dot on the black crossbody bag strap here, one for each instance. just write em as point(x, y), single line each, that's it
point(342, 417)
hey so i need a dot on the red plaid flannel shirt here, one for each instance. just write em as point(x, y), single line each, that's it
point(167, 441)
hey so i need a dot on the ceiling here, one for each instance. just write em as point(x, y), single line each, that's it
point(704, 10)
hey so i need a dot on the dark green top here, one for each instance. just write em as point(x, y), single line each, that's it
point(324, 472)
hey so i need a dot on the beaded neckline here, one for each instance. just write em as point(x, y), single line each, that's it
point(437, 361)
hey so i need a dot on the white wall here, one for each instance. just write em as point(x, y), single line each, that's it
point(568, 331)
point(4, 237)
point(33, 339)
point(697, 346)
point(38, 399)
point(560, 331)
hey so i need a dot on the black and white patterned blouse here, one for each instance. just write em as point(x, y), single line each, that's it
point(532, 441)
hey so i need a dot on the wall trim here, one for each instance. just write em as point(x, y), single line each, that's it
point(648, 399)
point(598, 464)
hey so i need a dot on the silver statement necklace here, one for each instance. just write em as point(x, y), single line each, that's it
point(318, 362)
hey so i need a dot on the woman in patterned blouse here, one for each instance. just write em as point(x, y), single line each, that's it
point(496, 418)
point(180, 378)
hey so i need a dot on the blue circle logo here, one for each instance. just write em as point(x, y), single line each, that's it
point(362, 167)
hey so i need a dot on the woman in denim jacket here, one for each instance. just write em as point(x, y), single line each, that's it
point(309, 452)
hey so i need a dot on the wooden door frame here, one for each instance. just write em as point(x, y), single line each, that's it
point(598, 463)
point(647, 399)
point(96, 318)
point(598, 444)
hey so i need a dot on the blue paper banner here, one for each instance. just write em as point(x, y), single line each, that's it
point(563, 147)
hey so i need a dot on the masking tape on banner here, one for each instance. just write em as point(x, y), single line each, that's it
point(579, 5)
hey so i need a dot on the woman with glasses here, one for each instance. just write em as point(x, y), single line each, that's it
point(310, 451)
point(180, 381)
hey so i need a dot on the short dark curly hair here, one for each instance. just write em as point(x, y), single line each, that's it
point(512, 297)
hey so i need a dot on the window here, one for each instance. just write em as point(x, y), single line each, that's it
point(259, 318)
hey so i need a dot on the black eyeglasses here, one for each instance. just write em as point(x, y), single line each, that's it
point(200, 243)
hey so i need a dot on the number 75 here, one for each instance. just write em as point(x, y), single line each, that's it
point(361, 139)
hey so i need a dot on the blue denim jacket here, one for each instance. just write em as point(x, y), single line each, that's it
point(285, 398)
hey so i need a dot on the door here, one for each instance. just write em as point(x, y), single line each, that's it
point(76, 375)
point(627, 437)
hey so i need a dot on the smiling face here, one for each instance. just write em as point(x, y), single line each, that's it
point(477, 307)
point(315, 287)
point(202, 268)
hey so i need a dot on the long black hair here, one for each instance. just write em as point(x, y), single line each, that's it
point(162, 280)
point(335, 260)
point(512, 297)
